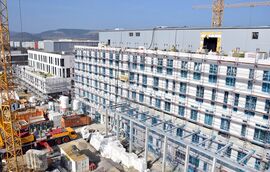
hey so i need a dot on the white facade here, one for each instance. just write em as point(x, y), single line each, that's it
point(47, 73)
point(221, 95)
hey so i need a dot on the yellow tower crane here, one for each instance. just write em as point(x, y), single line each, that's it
point(8, 105)
point(218, 7)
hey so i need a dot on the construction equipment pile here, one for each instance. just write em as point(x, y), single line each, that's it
point(111, 148)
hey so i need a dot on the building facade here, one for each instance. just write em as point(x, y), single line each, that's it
point(66, 45)
point(221, 95)
point(19, 58)
point(187, 39)
point(47, 73)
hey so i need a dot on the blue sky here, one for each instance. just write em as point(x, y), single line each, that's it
point(42, 15)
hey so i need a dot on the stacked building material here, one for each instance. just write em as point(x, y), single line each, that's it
point(112, 148)
point(56, 118)
point(36, 160)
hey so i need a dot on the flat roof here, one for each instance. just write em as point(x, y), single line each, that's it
point(186, 28)
point(71, 40)
point(67, 148)
point(56, 53)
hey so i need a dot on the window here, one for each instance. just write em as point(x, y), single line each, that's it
point(241, 155)
point(181, 110)
point(257, 165)
point(267, 105)
point(226, 95)
point(105, 86)
point(131, 76)
point(130, 34)
point(213, 73)
point(225, 99)
point(138, 34)
point(266, 82)
point(184, 73)
point(265, 117)
point(205, 167)
point(141, 97)
point(225, 124)
point(194, 161)
point(266, 87)
point(159, 65)
point(111, 73)
point(142, 62)
point(166, 84)
point(173, 87)
point(228, 151)
point(103, 71)
point(197, 71)
point(134, 65)
point(251, 74)
point(250, 105)
point(184, 69)
point(255, 35)
point(261, 135)
point(183, 89)
point(199, 93)
point(117, 59)
point(169, 66)
point(155, 82)
point(144, 81)
point(231, 74)
point(167, 106)
point(133, 94)
point(62, 62)
point(236, 101)
point(250, 85)
point(214, 92)
point(195, 138)
point(194, 115)
point(243, 130)
point(208, 119)
point(158, 103)
point(68, 72)
point(154, 120)
point(179, 132)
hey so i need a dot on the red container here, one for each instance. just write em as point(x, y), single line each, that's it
point(75, 121)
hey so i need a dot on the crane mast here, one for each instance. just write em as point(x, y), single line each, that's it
point(217, 13)
point(218, 7)
point(8, 107)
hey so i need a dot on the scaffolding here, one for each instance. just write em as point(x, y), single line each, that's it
point(215, 158)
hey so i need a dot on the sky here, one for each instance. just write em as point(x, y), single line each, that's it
point(43, 15)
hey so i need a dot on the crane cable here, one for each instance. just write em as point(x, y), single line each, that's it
point(21, 25)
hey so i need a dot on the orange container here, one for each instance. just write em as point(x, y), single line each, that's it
point(75, 121)
point(27, 114)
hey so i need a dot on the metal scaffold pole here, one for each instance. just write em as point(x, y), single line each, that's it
point(146, 144)
point(187, 158)
point(164, 154)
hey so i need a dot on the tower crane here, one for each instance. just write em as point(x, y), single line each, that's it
point(218, 7)
point(8, 119)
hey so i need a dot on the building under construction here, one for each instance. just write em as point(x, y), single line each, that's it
point(204, 91)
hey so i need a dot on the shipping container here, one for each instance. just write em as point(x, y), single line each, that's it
point(75, 120)
point(30, 113)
